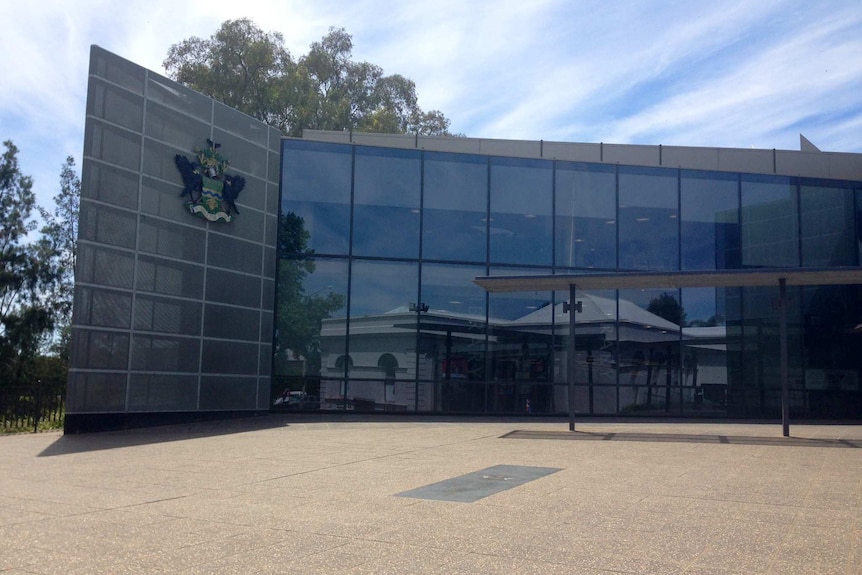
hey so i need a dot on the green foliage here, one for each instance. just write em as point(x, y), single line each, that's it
point(27, 274)
point(298, 314)
point(59, 243)
point(251, 70)
point(667, 306)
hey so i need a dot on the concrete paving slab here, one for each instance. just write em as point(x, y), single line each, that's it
point(307, 494)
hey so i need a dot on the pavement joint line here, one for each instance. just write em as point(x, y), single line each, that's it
point(367, 459)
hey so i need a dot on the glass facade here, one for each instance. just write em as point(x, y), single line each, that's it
point(376, 309)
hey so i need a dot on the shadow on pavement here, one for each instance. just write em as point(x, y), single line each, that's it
point(684, 438)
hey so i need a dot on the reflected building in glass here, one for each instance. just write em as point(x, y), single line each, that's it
point(395, 229)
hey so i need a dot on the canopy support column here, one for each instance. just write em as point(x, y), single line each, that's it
point(570, 355)
point(785, 384)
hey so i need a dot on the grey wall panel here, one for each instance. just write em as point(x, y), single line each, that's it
point(264, 391)
point(516, 148)
point(229, 357)
point(175, 129)
point(154, 392)
point(162, 199)
point(273, 167)
point(740, 160)
point(228, 393)
point(232, 288)
point(111, 67)
point(272, 198)
point(265, 359)
point(444, 144)
point(271, 233)
point(269, 263)
point(107, 225)
point(240, 125)
point(693, 158)
point(227, 322)
point(102, 307)
point(253, 195)
point(110, 184)
point(631, 155)
point(100, 350)
point(165, 353)
point(266, 326)
point(115, 105)
point(229, 253)
point(172, 240)
point(167, 315)
point(244, 156)
point(169, 277)
point(247, 225)
point(105, 266)
point(845, 166)
point(572, 152)
point(112, 145)
point(159, 159)
point(96, 392)
point(170, 94)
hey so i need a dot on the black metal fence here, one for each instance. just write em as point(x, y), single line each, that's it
point(32, 407)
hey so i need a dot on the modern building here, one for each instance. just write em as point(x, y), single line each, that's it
point(346, 280)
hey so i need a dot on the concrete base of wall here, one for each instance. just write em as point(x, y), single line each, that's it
point(94, 422)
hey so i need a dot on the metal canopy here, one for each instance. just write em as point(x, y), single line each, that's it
point(780, 277)
point(627, 280)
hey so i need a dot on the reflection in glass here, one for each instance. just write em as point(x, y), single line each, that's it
point(709, 203)
point(311, 297)
point(384, 312)
point(596, 352)
point(455, 208)
point(649, 334)
point(316, 186)
point(386, 203)
point(452, 337)
point(520, 349)
point(770, 223)
point(521, 225)
point(828, 231)
point(585, 209)
point(648, 219)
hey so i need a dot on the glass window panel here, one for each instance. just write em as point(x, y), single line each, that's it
point(705, 366)
point(310, 319)
point(386, 196)
point(521, 226)
point(709, 204)
point(316, 186)
point(585, 208)
point(770, 224)
point(455, 207)
point(649, 336)
point(828, 232)
point(520, 349)
point(648, 219)
point(596, 357)
point(384, 310)
point(452, 337)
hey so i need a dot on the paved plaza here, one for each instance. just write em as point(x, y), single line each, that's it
point(353, 495)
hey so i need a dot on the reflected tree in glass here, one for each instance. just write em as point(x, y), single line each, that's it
point(298, 313)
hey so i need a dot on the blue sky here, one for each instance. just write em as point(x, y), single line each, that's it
point(719, 73)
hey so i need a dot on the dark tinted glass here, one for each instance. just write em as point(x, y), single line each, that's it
point(648, 219)
point(455, 207)
point(520, 226)
point(386, 210)
point(709, 204)
point(316, 186)
point(585, 208)
point(770, 222)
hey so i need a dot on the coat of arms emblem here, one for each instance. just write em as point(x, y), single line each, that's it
point(211, 192)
